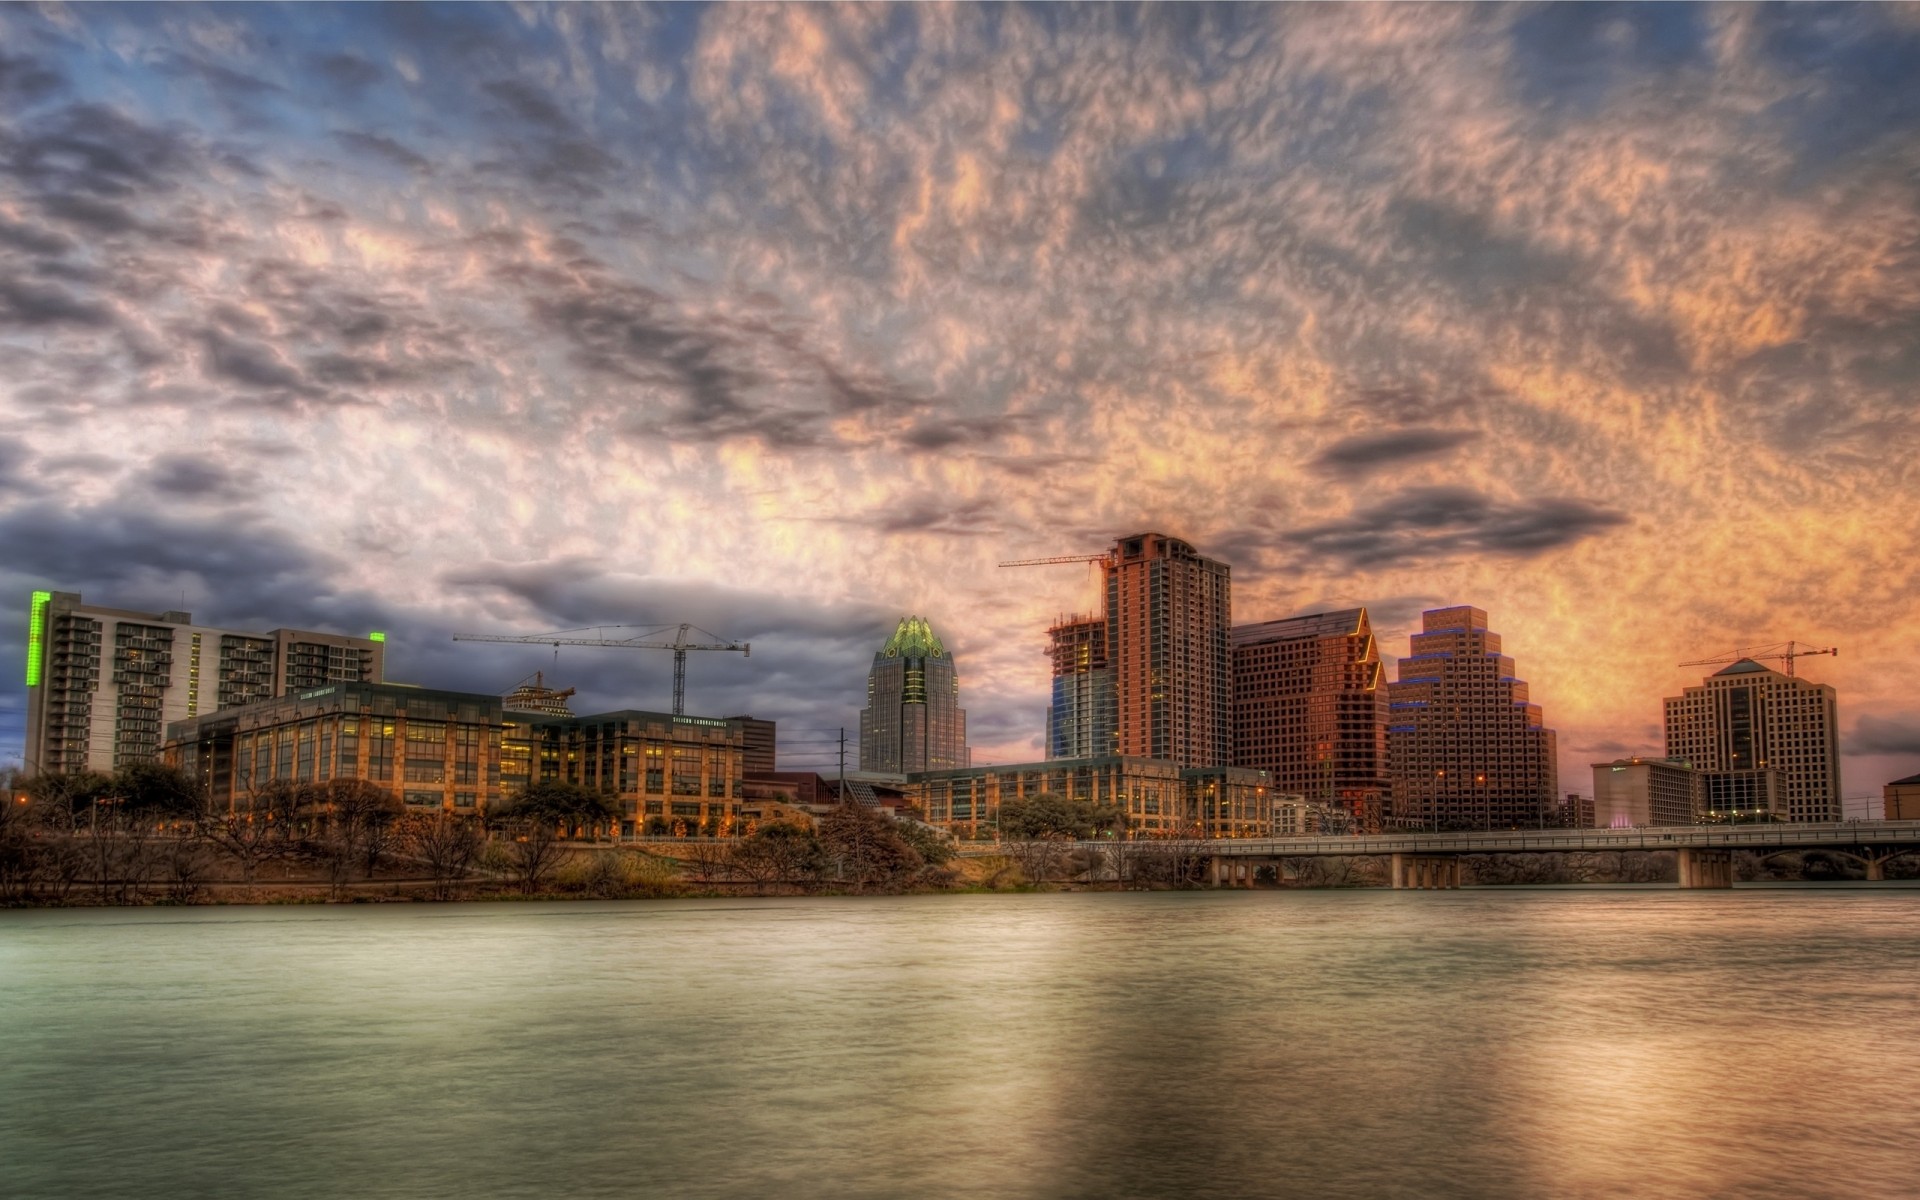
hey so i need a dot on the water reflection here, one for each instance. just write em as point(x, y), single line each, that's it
point(1519, 1043)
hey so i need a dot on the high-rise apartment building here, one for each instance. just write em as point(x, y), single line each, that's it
point(1466, 747)
point(913, 720)
point(1748, 718)
point(1080, 718)
point(103, 684)
point(1310, 709)
point(1169, 611)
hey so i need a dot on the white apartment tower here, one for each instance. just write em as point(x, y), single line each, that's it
point(1747, 720)
point(104, 683)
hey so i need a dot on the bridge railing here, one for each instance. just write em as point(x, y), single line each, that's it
point(1653, 837)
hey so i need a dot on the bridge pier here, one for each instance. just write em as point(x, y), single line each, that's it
point(1702, 868)
point(1425, 871)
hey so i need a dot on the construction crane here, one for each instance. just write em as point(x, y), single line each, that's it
point(1064, 558)
point(1777, 651)
point(642, 641)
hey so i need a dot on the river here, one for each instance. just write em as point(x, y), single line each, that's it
point(1480, 1043)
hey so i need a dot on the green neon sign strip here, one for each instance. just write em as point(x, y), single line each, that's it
point(37, 636)
point(376, 636)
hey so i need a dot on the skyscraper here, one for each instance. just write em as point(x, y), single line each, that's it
point(1080, 719)
point(913, 720)
point(1168, 615)
point(1310, 709)
point(1747, 719)
point(1465, 746)
point(104, 683)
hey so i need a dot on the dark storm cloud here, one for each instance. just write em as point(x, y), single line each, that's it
point(94, 150)
point(248, 363)
point(33, 239)
point(25, 81)
point(384, 147)
point(530, 104)
point(14, 456)
point(1362, 453)
point(1899, 734)
point(937, 433)
point(25, 303)
point(349, 73)
point(190, 477)
point(1444, 522)
point(132, 551)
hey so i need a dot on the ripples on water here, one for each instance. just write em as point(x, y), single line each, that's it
point(1317, 1044)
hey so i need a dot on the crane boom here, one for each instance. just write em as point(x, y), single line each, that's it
point(644, 641)
point(1775, 652)
point(1062, 558)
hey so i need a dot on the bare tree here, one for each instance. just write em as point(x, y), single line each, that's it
point(350, 813)
point(261, 828)
point(530, 850)
point(711, 862)
point(446, 844)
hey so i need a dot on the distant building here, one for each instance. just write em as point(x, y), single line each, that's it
point(537, 697)
point(1169, 610)
point(913, 720)
point(1158, 797)
point(1297, 816)
point(1467, 748)
point(1310, 709)
point(103, 684)
point(434, 750)
point(1631, 792)
point(1080, 719)
point(1903, 799)
point(759, 746)
point(1577, 812)
point(966, 801)
point(1747, 717)
point(1227, 802)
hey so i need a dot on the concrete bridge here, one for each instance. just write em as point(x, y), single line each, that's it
point(1432, 860)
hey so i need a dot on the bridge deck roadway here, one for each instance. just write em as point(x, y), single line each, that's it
point(1811, 836)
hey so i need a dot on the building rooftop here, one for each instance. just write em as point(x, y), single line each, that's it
point(1343, 623)
point(1745, 666)
point(913, 639)
point(1903, 782)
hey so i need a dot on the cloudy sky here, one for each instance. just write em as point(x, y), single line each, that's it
point(791, 320)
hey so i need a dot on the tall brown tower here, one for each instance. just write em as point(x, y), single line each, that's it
point(1168, 620)
point(1310, 709)
point(1467, 749)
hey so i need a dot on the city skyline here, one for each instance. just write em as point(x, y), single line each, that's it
point(792, 321)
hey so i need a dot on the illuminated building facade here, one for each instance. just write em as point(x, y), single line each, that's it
point(1080, 719)
point(1630, 792)
point(1310, 709)
point(666, 773)
point(1747, 718)
point(103, 684)
point(913, 720)
point(1167, 623)
point(432, 749)
point(1466, 747)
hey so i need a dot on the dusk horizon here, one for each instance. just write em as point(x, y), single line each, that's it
point(793, 321)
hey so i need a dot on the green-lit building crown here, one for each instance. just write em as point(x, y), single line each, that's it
point(913, 639)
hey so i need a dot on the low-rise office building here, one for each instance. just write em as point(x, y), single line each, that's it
point(1157, 796)
point(661, 769)
point(433, 749)
point(1902, 799)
